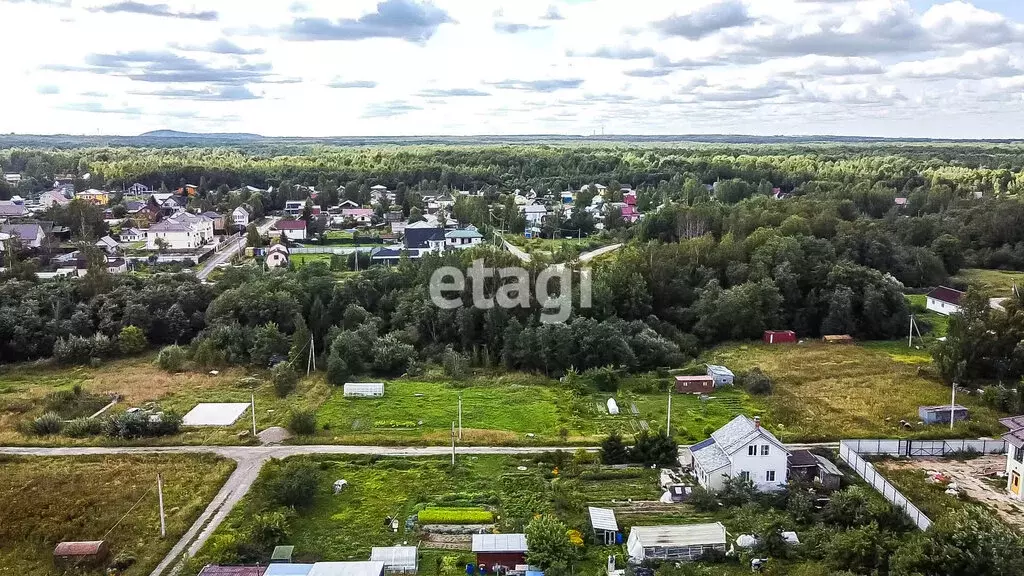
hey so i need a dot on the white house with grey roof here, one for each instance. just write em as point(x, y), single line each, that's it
point(464, 238)
point(742, 448)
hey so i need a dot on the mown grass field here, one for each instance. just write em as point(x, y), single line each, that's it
point(938, 324)
point(49, 500)
point(828, 392)
point(992, 283)
point(24, 387)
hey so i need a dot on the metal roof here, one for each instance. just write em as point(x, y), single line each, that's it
point(827, 466)
point(290, 225)
point(463, 234)
point(288, 569)
point(740, 431)
point(802, 459)
point(946, 294)
point(1015, 435)
point(603, 519)
point(942, 408)
point(395, 556)
point(678, 536)
point(499, 543)
point(215, 570)
point(347, 569)
point(719, 370)
point(710, 456)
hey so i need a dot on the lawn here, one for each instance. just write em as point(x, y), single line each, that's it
point(24, 389)
point(49, 500)
point(827, 392)
point(938, 323)
point(913, 483)
point(992, 283)
point(301, 260)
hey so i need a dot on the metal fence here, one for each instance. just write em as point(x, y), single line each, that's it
point(330, 250)
point(887, 490)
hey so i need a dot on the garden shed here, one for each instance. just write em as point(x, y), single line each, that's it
point(779, 337)
point(90, 553)
point(942, 414)
point(837, 339)
point(703, 384)
point(505, 550)
point(681, 542)
point(722, 375)
point(396, 559)
point(606, 528)
point(364, 389)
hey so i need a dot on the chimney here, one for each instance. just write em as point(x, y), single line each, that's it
point(757, 421)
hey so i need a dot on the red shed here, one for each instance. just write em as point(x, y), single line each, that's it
point(506, 550)
point(779, 336)
point(91, 553)
point(702, 384)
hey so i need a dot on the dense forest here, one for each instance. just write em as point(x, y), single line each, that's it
point(735, 240)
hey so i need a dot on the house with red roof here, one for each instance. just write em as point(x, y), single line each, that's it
point(290, 229)
point(944, 300)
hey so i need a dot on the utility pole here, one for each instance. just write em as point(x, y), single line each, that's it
point(460, 416)
point(453, 444)
point(253, 408)
point(311, 361)
point(952, 407)
point(160, 497)
point(910, 338)
point(668, 420)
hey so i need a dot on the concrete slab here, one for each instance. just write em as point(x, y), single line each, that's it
point(215, 414)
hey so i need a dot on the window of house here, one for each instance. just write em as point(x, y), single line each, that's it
point(769, 476)
point(764, 450)
point(752, 450)
point(744, 475)
point(1018, 454)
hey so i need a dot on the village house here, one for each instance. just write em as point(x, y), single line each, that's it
point(744, 449)
point(1014, 455)
point(277, 256)
point(465, 238)
point(680, 542)
point(12, 178)
point(294, 207)
point(702, 384)
point(133, 235)
point(31, 235)
point(534, 213)
point(290, 229)
point(10, 209)
point(94, 196)
point(241, 216)
point(722, 375)
point(52, 198)
point(137, 189)
point(360, 216)
point(181, 231)
point(499, 551)
point(108, 245)
point(944, 300)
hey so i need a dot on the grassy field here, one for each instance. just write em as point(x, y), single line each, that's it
point(505, 408)
point(939, 324)
point(992, 283)
point(827, 392)
point(49, 500)
point(24, 387)
point(346, 526)
point(913, 483)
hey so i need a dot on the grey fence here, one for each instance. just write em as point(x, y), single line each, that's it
point(886, 489)
point(330, 250)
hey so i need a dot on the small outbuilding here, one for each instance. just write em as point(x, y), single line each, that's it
point(218, 570)
point(364, 389)
point(942, 414)
point(807, 466)
point(606, 528)
point(347, 569)
point(288, 570)
point(703, 384)
point(837, 339)
point(944, 300)
point(495, 551)
point(779, 337)
point(722, 375)
point(396, 559)
point(80, 554)
point(282, 554)
point(683, 542)
point(828, 473)
point(277, 256)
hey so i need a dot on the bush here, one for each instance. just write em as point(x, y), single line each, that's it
point(60, 400)
point(604, 379)
point(757, 382)
point(171, 358)
point(702, 500)
point(654, 449)
point(49, 423)
point(302, 422)
point(131, 340)
point(285, 378)
point(391, 356)
point(613, 450)
point(127, 425)
point(83, 427)
point(295, 483)
point(81, 350)
point(455, 365)
point(455, 516)
point(269, 530)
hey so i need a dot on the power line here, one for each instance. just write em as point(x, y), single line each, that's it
point(127, 513)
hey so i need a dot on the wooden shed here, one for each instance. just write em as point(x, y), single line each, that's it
point(702, 384)
point(88, 554)
point(837, 339)
point(779, 337)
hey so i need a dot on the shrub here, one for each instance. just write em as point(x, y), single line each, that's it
point(455, 365)
point(171, 358)
point(83, 427)
point(605, 379)
point(455, 516)
point(702, 500)
point(138, 425)
point(757, 382)
point(269, 530)
point(391, 356)
point(60, 400)
point(285, 378)
point(302, 422)
point(613, 450)
point(80, 350)
point(295, 483)
point(652, 449)
point(131, 340)
point(49, 423)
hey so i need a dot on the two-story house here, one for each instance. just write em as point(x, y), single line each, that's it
point(241, 216)
point(742, 448)
point(1014, 455)
point(464, 238)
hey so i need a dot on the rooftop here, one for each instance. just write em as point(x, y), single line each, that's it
point(942, 408)
point(215, 570)
point(499, 543)
point(288, 569)
point(946, 294)
point(347, 569)
point(802, 459)
point(290, 225)
point(719, 370)
point(709, 455)
point(394, 555)
point(827, 465)
point(684, 535)
point(87, 548)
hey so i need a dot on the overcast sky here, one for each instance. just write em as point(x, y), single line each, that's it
point(405, 67)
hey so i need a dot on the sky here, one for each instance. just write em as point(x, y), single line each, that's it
point(895, 68)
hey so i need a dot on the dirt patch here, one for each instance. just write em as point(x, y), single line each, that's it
point(976, 479)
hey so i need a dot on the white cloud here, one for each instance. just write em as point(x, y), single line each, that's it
point(322, 67)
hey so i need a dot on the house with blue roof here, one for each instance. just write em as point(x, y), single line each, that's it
point(744, 449)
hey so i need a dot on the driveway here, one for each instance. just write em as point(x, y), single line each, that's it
point(230, 248)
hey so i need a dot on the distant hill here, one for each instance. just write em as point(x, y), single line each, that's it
point(200, 135)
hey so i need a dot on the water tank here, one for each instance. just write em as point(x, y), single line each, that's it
point(613, 408)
